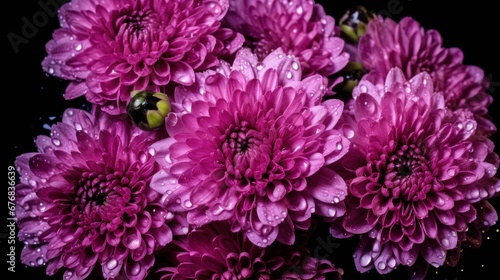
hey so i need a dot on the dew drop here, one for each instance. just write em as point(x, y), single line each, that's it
point(143, 157)
point(348, 132)
point(133, 242)
point(381, 265)
point(365, 260)
point(451, 172)
point(407, 88)
point(289, 75)
point(363, 89)
point(469, 126)
point(440, 201)
point(169, 216)
point(474, 193)
point(391, 263)
point(186, 79)
point(259, 66)
point(56, 142)
point(332, 212)
point(168, 159)
point(152, 151)
point(295, 65)
point(135, 269)
point(172, 120)
point(111, 264)
point(445, 242)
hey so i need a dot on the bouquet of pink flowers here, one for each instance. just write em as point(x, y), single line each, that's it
point(221, 136)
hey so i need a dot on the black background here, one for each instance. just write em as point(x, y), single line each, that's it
point(32, 99)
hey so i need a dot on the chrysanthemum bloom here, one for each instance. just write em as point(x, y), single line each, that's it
point(84, 203)
point(252, 149)
point(406, 45)
point(213, 251)
point(301, 28)
point(418, 177)
point(109, 48)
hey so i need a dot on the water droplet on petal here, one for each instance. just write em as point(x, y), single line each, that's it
point(133, 242)
point(56, 142)
point(332, 212)
point(445, 242)
point(135, 269)
point(391, 263)
point(299, 10)
point(172, 120)
point(111, 264)
point(363, 89)
point(469, 126)
point(365, 260)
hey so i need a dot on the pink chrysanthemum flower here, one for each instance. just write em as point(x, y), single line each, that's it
point(84, 204)
point(406, 45)
point(301, 28)
point(418, 176)
point(213, 251)
point(109, 48)
point(250, 147)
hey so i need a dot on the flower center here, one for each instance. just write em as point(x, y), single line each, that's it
point(136, 30)
point(407, 175)
point(247, 155)
point(138, 21)
point(405, 160)
point(238, 140)
point(93, 189)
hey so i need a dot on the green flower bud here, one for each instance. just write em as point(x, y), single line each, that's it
point(352, 73)
point(148, 109)
point(353, 23)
